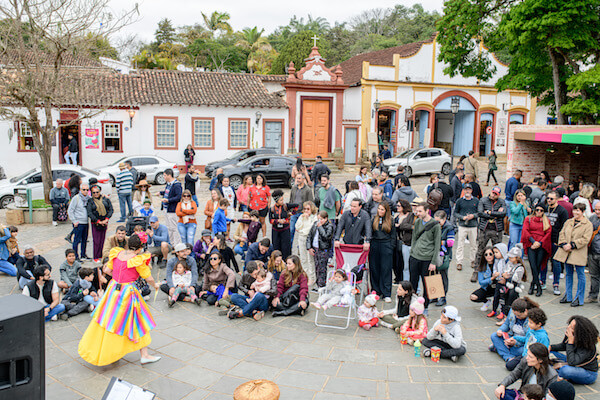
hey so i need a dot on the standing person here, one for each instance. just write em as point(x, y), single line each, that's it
point(259, 198)
point(425, 247)
point(243, 191)
point(191, 180)
point(386, 184)
point(594, 257)
point(457, 187)
point(172, 196)
point(79, 217)
point(537, 244)
point(134, 172)
point(122, 322)
point(352, 193)
point(318, 170)
point(71, 154)
point(211, 207)
point(469, 178)
point(586, 197)
point(72, 185)
point(491, 211)
point(403, 191)
point(355, 225)
point(228, 194)
point(99, 210)
point(377, 197)
point(470, 164)
point(5, 266)
point(459, 167)
point(538, 192)
point(405, 224)
point(300, 194)
point(303, 226)
point(141, 196)
point(329, 198)
point(492, 167)
point(45, 290)
point(59, 198)
point(220, 221)
point(512, 185)
point(216, 178)
point(573, 252)
point(557, 215)
point(124, 184)
point(381, 254)
point(279, 216)
point(292, 290)
point(447, 193)
point(465, 212)
point(519, 209)
point(445, 253)
point(363, 175)
point(300, 169)
point(186, 224)
point(188, 157)
point(319, 245)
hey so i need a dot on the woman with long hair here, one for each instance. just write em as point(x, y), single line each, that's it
point(141, 194)
point(217, 273)
point(300, 168)
point(122, 322)
point(533, 368)
point(586, 197)
point(188, 156)
point(211, 207)
point(186, 211)
point(303, 226)
point(580, 363)
point(405, 222)
point(519, 209)
point(485, 272)
point(259, 198)
point(243, 191)
point(292, 289)
point(275, 265)
point(537, 244)
point(381, 253)
point(227, 254)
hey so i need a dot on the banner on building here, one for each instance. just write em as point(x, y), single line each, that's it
point(91, 139)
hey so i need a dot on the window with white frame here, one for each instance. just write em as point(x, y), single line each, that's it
point(238, 133)
point(112, 136)
point(166, 131)
point(203, 133)
point(25, 137)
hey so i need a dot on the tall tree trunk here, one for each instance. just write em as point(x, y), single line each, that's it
point(559, 90)
point(46, 164)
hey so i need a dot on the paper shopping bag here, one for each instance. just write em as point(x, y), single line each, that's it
point(434, 286)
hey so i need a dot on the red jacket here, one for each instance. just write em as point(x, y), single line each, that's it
point(302, 281)
point(533, 229)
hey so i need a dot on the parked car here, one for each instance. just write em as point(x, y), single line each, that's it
point(236, 158)
point(420, 161)
point(276, 169)
point(153, 166)
point(32, 179)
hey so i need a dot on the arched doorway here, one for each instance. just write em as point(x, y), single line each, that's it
point(455, 133)
point(387, 128)
point(421, 126)
point(486, 133)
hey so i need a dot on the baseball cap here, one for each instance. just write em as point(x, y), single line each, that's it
point(497, 189)
point(179, 247)
point(468, 186)
point(451, 312)
point(153, 218)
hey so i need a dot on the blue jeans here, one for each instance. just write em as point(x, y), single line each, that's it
point(24, 281)
point(59, 309)
point(81, 236)
point(241, 250)
point(8, 268)
point(90, 300)
point(244, 208)
point(293, 220)
point(187, 232)
point(510, 394)
point(579, 294)
point(557, 268)
point(503, 350)
point(195, 198)
point(508, 209)
point(125, 199)
point(576, 375)
point(259, 303)
point(514, 234)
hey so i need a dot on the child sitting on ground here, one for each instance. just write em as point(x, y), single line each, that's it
point(332, 294)
point(147, 210)
point(218, 291)
point(415, 327)
point(262, 283)
point(82, 295)
point(509, 283)
point(535, 334)
point(13, 245)
point(532, 391)
point(68, 270)
point(182, 283)
point(447, 335)
point(395, 317)
point(515, 324)
point(368, 316)
point(139, 230)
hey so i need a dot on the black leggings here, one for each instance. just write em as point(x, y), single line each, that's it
point(504, 297)
point(447, 351)
point(536, 256)
point(419, 270)
point(491, 174)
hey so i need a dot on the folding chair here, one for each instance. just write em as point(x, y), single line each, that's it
point(349, 312)
point(354, 255)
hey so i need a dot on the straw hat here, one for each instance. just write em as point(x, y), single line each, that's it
point(259, 389)
point(143, 182)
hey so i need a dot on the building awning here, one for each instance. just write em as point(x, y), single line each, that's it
point(589, 136)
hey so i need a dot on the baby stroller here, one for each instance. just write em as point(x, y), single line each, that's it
point(133, 221)
point(348, 304)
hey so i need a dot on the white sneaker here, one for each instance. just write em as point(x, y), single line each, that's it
point(562, 276)
point(388, 299)
point(486, 306)
point(91, 308)
point(54, 318)
point(54, 223)
point(550, 277)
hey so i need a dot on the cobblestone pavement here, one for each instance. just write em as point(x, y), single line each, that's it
point(206, 356)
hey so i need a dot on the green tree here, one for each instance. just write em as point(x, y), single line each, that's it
point(217, 22)
point(220, 54)
point(101, 47)
point(296, 50)
point(251, 40)
point(165, 33)
point(341, 41)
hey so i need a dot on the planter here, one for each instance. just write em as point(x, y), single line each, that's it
point(19, 215)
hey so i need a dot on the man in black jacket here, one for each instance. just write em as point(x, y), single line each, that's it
point(356, 226)
point(250, 303)
point(45, 290)
point(71, 155)
point(26, 265)
point(447, 193)
point(557, 215)
point(377, 197)
point(491, 212)
point(457, 186)
point(319, 169)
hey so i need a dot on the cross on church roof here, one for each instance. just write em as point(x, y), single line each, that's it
point(315, 38)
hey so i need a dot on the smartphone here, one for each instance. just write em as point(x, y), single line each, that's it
point(505, 335)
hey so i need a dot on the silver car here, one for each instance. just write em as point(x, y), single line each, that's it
point(152, 166)
point(420, 162)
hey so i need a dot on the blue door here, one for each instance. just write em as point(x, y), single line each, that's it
point(273, 134)
point(463, 135)
point(350, 144)
point(423, 125)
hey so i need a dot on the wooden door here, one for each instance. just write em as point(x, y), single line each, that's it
point(315, 128)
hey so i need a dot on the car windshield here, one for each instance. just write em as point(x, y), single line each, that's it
point(249, 160)
point(120, 160)
point(90, 171)
point(22, 176)
point(235, 156)
point(406, 153)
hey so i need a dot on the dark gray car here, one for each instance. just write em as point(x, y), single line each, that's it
point(236, 158)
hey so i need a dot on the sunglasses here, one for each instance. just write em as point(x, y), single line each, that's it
point(95, 192)
point(84, 190)
point(539, 210)
point(489, 254)
point(214, 258)
point(186, 195)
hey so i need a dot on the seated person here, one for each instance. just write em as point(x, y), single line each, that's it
point(13, 245)
point(82, 295)
point(202, 247)
point(535, 334)
point(183, 253)
point(447, 335)
point(260, 251)
point(250, 302)
point(159, 244)
point(69, 270)
point(217, 273)
point(182, 279)
point(45, 290)
point(26, 265)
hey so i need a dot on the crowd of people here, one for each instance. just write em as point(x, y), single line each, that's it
point(408, 238)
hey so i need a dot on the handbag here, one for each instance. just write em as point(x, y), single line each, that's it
point(434, 286)
point(62, 212)
point(445, 263)
point(208, 223)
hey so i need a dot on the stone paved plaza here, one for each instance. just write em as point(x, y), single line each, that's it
point(206, 356)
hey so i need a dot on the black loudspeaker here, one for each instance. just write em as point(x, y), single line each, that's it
point(22, 348)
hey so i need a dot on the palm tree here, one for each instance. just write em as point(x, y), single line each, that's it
point(251, 39)
point(217, 21)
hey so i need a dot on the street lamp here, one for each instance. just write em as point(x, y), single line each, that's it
point(454, 106)
point(258, 116)
point(376, 107)
point(131, 115)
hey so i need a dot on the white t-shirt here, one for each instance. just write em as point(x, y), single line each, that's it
point(41, 298)
point(229, 194)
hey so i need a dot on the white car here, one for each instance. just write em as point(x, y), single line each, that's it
point(33, 180)
point(153, 166)
point(420, 161)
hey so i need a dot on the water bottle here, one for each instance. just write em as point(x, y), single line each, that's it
point(417, 345)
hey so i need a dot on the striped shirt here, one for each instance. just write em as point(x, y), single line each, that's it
point(124, 182)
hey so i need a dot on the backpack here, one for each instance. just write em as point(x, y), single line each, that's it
point(434, 199)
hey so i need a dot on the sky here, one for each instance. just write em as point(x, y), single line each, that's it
point(268, 14)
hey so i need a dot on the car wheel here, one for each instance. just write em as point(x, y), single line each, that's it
point(235, 181)
point(408, 172)
point(6, 200)
point(112, 180)
point(446, 169)
point(160, 179)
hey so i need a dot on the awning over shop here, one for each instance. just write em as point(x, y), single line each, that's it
point(589, 136)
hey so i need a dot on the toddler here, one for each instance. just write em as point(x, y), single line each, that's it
point(82, 295)
point(509, 283)
point(332, 294)
point(13, 245)
point(139, 230)
point(415, 326)
point(147, 210)
point(368, 316)
point(216, 290)
point(182, 283)
point(532, 391)
point(395, 317)
point(262, 283)
point(535, 334)
point(447, 335)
